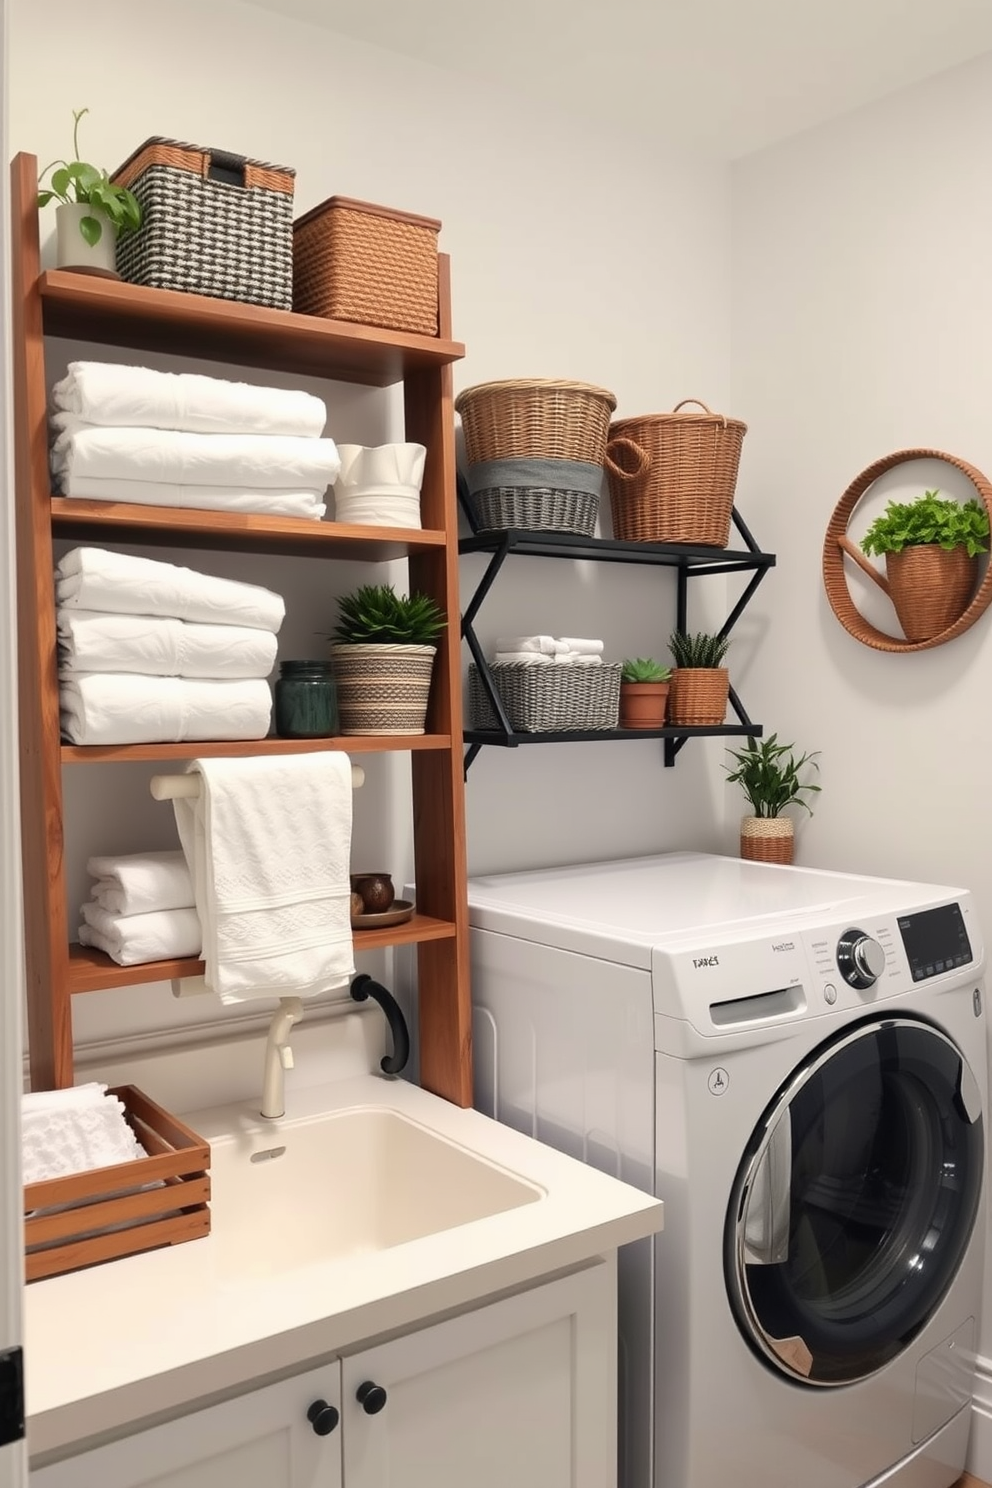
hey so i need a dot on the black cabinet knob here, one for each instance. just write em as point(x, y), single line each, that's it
point(323, 1417)
point(371, 1398)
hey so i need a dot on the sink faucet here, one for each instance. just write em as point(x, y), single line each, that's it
point(278, 1057)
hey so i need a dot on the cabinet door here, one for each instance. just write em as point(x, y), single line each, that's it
point(259, 1440)
point(519, 1394)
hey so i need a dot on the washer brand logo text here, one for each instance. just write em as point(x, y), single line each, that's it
point(699, 961)
point(783, 945)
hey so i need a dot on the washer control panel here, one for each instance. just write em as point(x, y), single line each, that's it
point(935, 940)
point(860, 959)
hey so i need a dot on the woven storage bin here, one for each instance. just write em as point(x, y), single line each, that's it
point(547, 699)
point(698, 696)
point(673, 476)
point(213, 224)
point(382, 689)
point(536, 450)
point(767, 839)
point(356, 261)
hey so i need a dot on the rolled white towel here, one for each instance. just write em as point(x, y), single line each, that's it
point(529, 658)
point(109, 393)
point(126, 708)
point(545, 644)
point(141, 883)
point(104, 580)
point(57, 1141)
point(160, 646)
point(576, 659)
point(131, 940)
point(582, 646)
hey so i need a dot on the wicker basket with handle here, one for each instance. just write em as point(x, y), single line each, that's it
point(673, 476)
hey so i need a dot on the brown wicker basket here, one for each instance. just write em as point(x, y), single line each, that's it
point(767, 839)
point(698, 696)
point(535, 419)
point(359, 262)
point(673, 476)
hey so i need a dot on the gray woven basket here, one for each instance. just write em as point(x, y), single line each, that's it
point(535, 509)
point(212, 224)
point(547, 699)
point(383, 689)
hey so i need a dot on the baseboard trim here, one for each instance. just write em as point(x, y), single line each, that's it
point(980, 1446)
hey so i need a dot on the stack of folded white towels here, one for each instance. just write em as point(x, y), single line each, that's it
point(543, 650)
point(181, 439)
point(74, 1130)
point(141, 908)
point(151, 652)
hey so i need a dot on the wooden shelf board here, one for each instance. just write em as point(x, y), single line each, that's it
point(248, 532)
point(99, 754)
point(117, 314)
point(91, 971)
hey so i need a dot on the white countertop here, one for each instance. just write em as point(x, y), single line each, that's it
point(159, 1332)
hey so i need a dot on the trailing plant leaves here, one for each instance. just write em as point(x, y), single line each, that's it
point(91, 229)
point(931, 518)
point(769, 775)
point(78, 181)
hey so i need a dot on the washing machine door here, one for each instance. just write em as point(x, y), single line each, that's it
point(854, 1202)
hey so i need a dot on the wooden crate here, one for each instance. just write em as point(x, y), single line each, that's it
point(99, 1215)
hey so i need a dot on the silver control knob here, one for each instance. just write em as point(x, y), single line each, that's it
point(860, 959)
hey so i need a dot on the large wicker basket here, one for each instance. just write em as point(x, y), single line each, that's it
point(547, 699)
point(212, 224)
point(356, 261)
point(673, 476)
point(536, 449)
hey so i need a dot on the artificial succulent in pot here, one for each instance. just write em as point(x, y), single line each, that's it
point(701, 683)
point(383, 649)
point(644, 688)
point(375, 615)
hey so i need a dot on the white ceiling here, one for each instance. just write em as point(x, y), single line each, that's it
point(722, 77)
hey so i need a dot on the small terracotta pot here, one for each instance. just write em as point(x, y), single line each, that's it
point(643, 705)
point(767, 839)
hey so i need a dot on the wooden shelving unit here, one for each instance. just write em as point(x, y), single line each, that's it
point(59, 303)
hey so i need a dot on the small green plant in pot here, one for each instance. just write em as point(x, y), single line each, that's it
point(92, 211)
point(700, 683)
point(931, 548)
point(383, 649)
point(772, 778)
point(644, 688)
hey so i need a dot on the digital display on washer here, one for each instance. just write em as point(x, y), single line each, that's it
point(935, 940)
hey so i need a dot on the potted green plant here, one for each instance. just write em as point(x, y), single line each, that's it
point(92, 211)
point(931, 547)
point(644, 686)
point(700, 683)
point(770, 775)
point(383, 649)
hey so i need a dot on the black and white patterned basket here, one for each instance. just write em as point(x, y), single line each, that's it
point(547, 699)
point(213, 224)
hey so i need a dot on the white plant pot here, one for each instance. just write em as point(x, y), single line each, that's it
point(379, 485)
point(72, 249)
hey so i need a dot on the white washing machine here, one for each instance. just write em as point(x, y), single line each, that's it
point(795, 1062)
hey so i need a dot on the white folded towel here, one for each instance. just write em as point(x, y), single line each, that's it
point(126, 708)
point(140, 883)
point(131, 940)
point(308, 505)
point(58, 1138)
point(68, 1099)
point(529, 658)
point(582, 646)
point(546, 645)
point(101, 579)
point(159, 646)
point(268, 842)
point(172, 456)
point(108, 393)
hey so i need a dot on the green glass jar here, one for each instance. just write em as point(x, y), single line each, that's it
point(306, 700)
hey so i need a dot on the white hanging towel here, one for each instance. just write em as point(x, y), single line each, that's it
point(102, 579)
point(160, 646)
point(108, 393)
point(127, 708)
point(268, 843)
point(139, 883)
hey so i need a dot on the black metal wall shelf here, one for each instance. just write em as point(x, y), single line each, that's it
point(689, 561)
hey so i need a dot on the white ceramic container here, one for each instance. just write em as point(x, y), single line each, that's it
point(379, 485)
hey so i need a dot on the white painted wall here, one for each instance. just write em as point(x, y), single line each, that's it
point(862, 301)
point(574, 253)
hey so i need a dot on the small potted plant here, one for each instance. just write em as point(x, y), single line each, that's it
point(644, 685)
point(770, 776)
point(92, 211)
point(700, 683)
point(383, 650)
point(931, 547)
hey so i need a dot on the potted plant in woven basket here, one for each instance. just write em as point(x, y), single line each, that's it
point(92, 211)
point(700, 683)
point(769, 775)
point(644, 687)
point(383, 649)
point(931, 547)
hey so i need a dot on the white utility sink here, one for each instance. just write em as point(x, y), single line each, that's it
point(347, 1183)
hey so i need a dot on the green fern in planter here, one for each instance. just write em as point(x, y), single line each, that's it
point(644, 669)
point(375, 615)
point(699, 651)
point(931, 518)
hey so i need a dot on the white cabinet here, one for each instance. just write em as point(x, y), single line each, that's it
point(517, 1394)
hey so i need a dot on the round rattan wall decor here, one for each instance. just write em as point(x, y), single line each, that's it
point(837, 544)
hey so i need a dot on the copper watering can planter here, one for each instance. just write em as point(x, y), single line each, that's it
point(929, 586)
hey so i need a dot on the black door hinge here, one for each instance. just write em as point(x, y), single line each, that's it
point(11, 1395)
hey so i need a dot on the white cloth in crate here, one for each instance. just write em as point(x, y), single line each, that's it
point(121, 396)
point(128, 708)
point(73, 1131)
point(160, 646)
point(103, 580)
